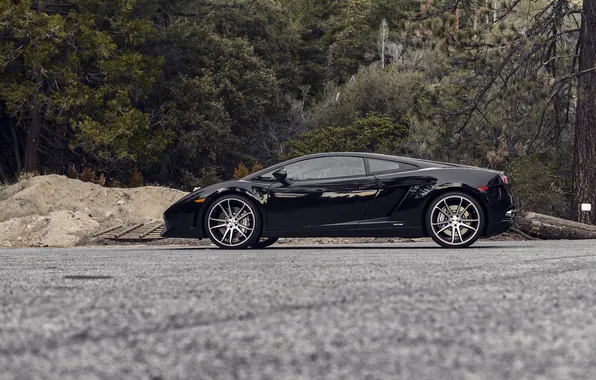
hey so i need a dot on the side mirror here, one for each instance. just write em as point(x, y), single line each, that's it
point(282, 176)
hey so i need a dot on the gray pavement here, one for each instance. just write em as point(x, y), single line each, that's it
point(499, 310)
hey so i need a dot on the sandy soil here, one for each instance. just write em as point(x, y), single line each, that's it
point(57, 211)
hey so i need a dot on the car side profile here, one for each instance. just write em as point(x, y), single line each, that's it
point(347, 194)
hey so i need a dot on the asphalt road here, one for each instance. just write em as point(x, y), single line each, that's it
point(514, 310)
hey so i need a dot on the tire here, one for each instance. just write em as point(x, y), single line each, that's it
point(264, 243)
point(455, 220)
point(233, 222)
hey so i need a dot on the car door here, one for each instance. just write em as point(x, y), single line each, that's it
point(394, 181)
point(324, 193)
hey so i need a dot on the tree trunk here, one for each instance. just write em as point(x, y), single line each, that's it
point(3, 176)
point(549, 227)
point(17, 151)
point(33, 136)
point(34, 128)
point(584, 160)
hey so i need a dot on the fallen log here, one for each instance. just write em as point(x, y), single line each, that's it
point(551, 228)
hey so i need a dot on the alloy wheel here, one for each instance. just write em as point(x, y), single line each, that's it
point(231, 222)
point(456, 220)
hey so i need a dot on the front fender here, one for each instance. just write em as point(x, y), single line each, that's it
point(257, 194)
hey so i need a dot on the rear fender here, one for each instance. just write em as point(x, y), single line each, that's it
point(460, 187)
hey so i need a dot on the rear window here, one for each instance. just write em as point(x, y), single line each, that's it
point(381, 166)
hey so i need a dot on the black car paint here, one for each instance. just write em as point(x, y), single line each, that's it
point(319, 204)
point(383, 205)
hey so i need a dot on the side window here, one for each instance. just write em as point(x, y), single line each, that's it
point(326, 167)
point(383, 166)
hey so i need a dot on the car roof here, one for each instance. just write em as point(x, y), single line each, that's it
point(378, 156)
point(406, 160)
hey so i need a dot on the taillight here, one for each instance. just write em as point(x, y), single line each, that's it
point(505, 179)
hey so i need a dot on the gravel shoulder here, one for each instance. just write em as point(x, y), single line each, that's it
point(520, 310)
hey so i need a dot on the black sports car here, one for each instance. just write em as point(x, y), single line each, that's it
point(348, 195)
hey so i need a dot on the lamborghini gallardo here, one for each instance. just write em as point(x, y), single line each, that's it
point(348, 195)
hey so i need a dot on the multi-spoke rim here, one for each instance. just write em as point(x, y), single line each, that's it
point(231, 222)
point(455, 220)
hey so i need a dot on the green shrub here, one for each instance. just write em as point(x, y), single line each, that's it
point(541, 185)
point(375, 133)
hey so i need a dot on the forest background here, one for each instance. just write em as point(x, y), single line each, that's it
point(185, 93)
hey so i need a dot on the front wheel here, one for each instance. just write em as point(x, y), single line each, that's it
point(233, 222)
point(455, 220)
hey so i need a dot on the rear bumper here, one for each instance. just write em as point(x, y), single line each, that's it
point(501, 209)
point(503, 225)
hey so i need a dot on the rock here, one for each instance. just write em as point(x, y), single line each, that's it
point(65, 230)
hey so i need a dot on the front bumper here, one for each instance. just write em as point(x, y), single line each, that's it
point(189, 233)
point(181, 221)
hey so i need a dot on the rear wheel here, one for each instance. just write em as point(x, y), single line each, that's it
point(455, 220)
point(233, 222)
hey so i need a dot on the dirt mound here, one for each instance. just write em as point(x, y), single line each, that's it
point(57, 211)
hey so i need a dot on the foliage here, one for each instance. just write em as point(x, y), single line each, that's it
point(114, 182)
point(83, 74)
point(101, 180)
point(492, 92)
point(242, 170)
point(389, 91)
point(208, 176)
point(136, 179)
point(87, 175)
point(71, 172)
point(375, 133)
point(25, 176)
point(541, 185)
point(221, 93)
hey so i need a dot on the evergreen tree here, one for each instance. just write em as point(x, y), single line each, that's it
point(73, 78)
